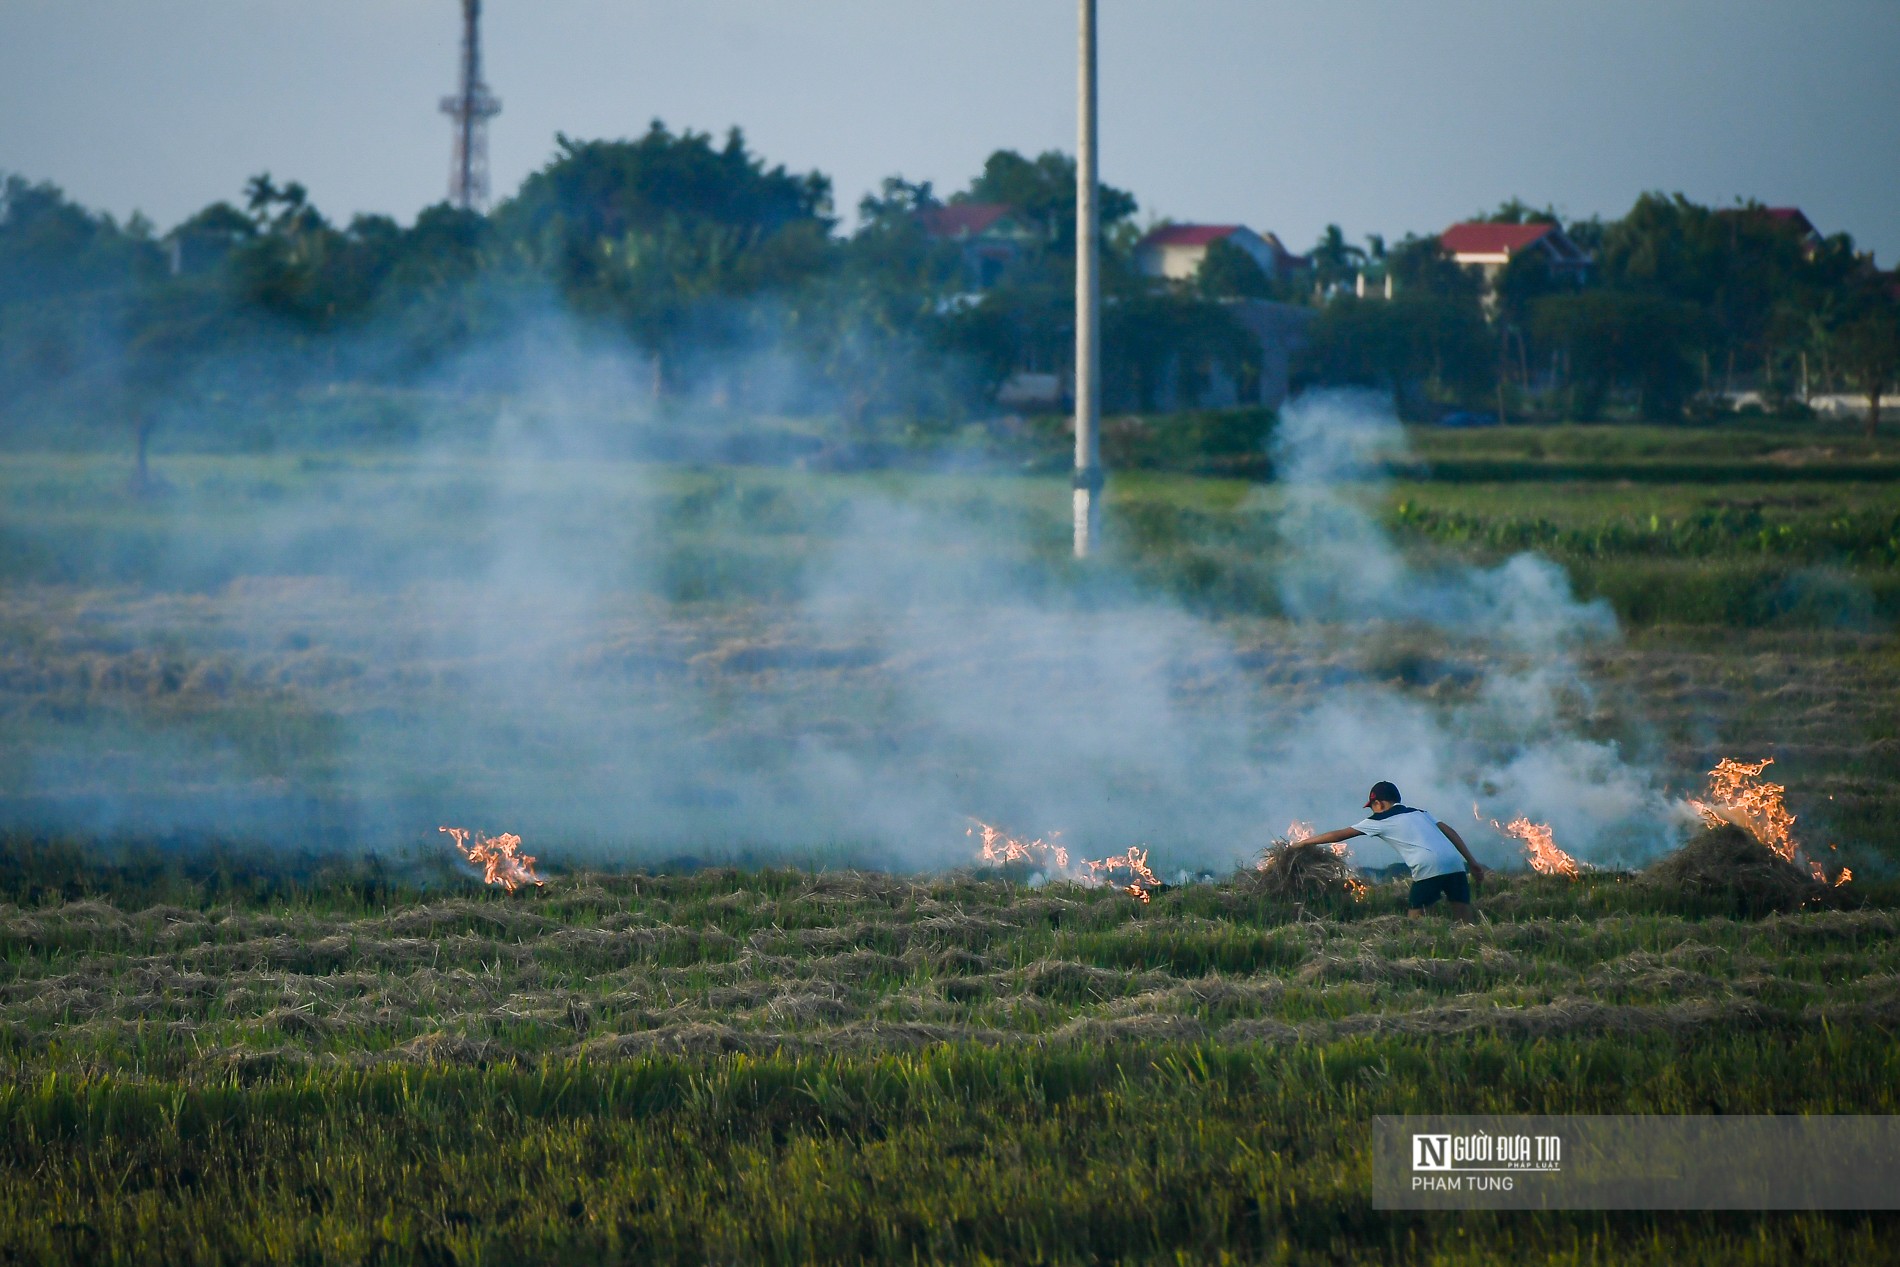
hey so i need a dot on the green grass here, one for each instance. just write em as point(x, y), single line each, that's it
point(1783, 544)
point(1718, 452)
point(787, 1067)
point(957, 1153)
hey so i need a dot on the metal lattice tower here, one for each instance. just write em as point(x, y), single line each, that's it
point(471, 109)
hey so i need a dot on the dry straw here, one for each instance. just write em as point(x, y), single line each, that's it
point(1730, 863)
point(1302, 871)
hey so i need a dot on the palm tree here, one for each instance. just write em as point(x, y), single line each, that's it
point(1335, 260)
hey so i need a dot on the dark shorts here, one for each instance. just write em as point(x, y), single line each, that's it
point(1455, 887)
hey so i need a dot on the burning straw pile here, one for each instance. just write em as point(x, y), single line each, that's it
point(1726, 862)
point(1291, 867)
point(1749, 854)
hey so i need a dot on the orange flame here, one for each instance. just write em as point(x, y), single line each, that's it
point(1540, 845)
point(1739, 795)
point(1540, 848)
point(1135, 862)
point(999, 849)
point(1296, 831)
point(497, 858)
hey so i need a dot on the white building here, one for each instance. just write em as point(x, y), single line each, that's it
point(1489, 247)
point(1175, 251)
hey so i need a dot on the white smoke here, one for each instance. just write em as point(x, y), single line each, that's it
point(539, 636)
point(1513, 746)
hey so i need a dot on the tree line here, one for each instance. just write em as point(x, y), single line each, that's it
point(1683, 310)
point(735, 283)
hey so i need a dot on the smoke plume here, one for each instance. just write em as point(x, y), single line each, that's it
point(633, 661)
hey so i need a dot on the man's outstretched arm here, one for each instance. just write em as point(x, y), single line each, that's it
point(1332, 837)
point(1451, 834)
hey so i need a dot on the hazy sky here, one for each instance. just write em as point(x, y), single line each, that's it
point(1284, 114)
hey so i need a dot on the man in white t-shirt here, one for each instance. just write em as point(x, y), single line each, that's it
point(1441, 866)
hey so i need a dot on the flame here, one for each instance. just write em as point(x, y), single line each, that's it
point(1296, 831)
point(999, 848)
point(1299, 829)
point(1540, 845)
point(1540, 849)
point(497, 858)
point(1135, 862)
point(1739, 795)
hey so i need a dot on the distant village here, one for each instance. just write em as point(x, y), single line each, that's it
point(732, 287)
point(992, 239)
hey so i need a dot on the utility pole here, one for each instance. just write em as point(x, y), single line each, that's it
point(1088, 298)
point(471, 109)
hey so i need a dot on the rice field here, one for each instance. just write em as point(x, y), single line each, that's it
point(791, 1066)
point(290, 1026)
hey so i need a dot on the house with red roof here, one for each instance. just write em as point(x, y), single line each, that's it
point(991, 236)
point(1790, 220)
point(1489, 247)
point(1175, 251)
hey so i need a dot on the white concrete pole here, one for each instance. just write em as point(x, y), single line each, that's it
point(1088, 299)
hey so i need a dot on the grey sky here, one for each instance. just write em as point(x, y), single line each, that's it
point(1384, 117)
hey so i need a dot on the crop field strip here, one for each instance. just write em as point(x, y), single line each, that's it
point(599, 966)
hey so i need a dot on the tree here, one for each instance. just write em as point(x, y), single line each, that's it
point(1163, 349)
point(1517, 211)
point(1736, 264)
point(51, 246)
point(202, 242)
point(442, 248)
point(601, 190)
point(292, 268)
point(1042, 190)
point(1421, 265)
point(667, 233)
point(1419, 346)
point(1335, 260)
point(1227, 272)
point(1870, 350)
point(1612, 339)
point(891, 248)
